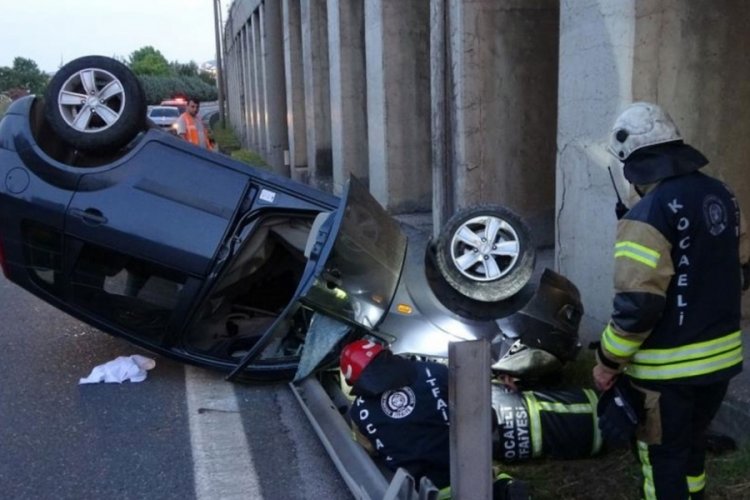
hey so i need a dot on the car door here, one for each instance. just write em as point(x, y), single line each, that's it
point(355, 258)
point(142, 233)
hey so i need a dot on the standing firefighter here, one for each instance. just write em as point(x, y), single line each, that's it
point(675, 326)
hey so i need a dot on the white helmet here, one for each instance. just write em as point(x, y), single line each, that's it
point(641, 124)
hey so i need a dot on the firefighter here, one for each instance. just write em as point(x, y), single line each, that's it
point(401, 412)
point(674, 333)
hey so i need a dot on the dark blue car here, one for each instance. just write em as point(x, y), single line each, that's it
point(199, 257)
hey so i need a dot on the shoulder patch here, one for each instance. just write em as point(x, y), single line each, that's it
point(714, 214)
point(399, 403)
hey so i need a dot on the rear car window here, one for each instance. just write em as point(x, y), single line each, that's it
point(165, 112)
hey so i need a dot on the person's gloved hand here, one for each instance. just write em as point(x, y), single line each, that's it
point(745, 276)
point(619, 412)
point(620, 210)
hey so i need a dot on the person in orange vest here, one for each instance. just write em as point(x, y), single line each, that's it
point(191, 128)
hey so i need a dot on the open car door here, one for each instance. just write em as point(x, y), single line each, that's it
point(355, 257)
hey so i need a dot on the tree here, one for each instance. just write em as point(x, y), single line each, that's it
point(184, 69)
point(149, 61)
point(24, 75)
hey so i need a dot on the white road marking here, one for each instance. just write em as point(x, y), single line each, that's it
point(222, 465)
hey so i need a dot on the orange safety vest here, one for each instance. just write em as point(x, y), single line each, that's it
point(191, 131)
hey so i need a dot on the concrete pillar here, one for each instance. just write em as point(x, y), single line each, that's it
point(348, 96)
point(502, 106)
point(247, 86)
point(274, 96)
point(442, 174)
point(295, 90)
point(596, 70)
point(317, 92)
point(398, 102)
point(258, 85)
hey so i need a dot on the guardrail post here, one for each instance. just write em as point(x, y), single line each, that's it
point(470, 416)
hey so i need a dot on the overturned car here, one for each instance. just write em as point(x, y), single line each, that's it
point(196, 256)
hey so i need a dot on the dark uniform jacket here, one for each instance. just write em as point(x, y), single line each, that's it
point(402, 410)
point(677, 273)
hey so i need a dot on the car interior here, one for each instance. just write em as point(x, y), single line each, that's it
point(255, 287)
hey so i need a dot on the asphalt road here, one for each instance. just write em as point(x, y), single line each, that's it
point(183, 433)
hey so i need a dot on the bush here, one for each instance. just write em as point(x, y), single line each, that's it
point(159, 88)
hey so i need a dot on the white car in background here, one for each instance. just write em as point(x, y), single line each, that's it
point(164, 116)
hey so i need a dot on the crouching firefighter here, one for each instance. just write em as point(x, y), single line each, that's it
point(401, 411)
point(674, 334)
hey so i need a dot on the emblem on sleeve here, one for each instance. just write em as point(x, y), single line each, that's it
point(399, 403)
point(715, 215)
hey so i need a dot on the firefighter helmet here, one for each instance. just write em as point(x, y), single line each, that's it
point(356, 356)
point(641, 124)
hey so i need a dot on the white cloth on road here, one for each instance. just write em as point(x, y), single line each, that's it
point(120, 369)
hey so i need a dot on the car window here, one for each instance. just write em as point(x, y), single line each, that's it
point(135, 294)
point(164, 112)
point(43, 254)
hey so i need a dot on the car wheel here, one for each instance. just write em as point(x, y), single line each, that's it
point(95, 103)
point(486, 253)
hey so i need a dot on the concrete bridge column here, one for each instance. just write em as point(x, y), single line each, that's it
point(258, 84)
point(247, 90)
point(295, 89)
point(398, 102)
point(348, 95)
point(501, 106)
point(274, 96)
point(317, 92)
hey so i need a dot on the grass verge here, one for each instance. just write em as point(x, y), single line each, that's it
point(229, 144)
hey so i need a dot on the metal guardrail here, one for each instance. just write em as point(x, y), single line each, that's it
point(470, 434)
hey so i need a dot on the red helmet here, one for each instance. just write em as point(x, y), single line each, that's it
point(356, 356)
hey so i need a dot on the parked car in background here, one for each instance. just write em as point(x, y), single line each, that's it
point(206, 259)
point(178, 102)
point(164, 116)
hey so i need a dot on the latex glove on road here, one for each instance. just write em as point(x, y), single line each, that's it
point(118, 370)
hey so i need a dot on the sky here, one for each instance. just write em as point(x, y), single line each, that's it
point(53, 31)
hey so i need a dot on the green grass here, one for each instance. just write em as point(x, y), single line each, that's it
point(230, 144)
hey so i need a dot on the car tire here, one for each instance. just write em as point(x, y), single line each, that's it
point(486, 253)
point(95, 103)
